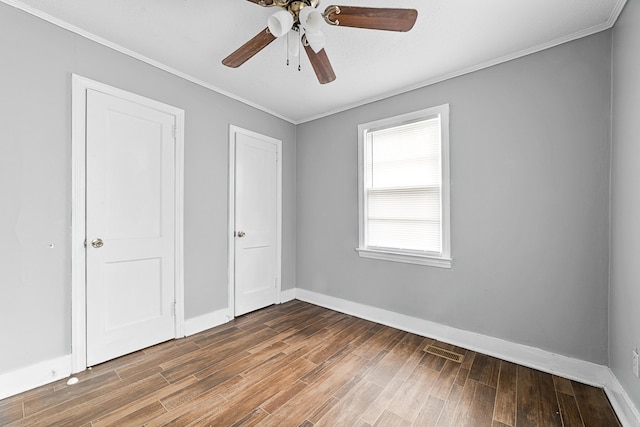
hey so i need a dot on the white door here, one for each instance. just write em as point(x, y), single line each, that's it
point(130, 228)
point(256, 230)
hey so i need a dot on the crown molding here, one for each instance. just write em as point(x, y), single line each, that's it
point(615, 14)
point(95, 38)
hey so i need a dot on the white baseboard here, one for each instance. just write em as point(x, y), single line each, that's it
point(542, 360)
point(287, 295)
point(216, 318)
point(206, 321)
point(623, 405)
point(575, 369)
point(29, 377)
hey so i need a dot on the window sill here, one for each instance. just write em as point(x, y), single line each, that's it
point(405, 257)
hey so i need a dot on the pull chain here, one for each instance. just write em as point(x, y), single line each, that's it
point(300, 53)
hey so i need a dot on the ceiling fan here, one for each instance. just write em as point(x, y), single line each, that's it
point(302, 19)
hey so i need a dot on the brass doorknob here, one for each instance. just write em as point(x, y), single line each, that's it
point(240, 233)
point(97, 243)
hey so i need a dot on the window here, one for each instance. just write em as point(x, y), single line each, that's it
point(403, 178)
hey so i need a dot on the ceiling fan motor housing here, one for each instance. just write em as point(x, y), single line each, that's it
point(296, 6)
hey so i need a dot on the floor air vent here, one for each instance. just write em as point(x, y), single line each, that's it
point(449, 355)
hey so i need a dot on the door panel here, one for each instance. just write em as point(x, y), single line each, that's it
point(131, 208)
point(138, 306)
point(256, 223)
point(134, 155)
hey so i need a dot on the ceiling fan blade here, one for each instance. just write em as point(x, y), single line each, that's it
point(262, 2)
point(371, 17)
point(249, 49)
point(321, 65)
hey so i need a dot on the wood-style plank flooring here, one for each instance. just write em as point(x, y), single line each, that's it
point(297, 364)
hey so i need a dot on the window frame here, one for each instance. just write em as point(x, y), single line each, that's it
point(434, 259)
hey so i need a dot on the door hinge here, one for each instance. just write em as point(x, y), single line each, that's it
point(175, 132)
point(85, 243)
point(175, 304)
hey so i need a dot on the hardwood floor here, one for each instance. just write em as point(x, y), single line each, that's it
point(301, 365)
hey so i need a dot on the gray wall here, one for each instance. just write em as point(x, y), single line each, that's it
point(37, 60)
point(624, 317)
point(530, 204)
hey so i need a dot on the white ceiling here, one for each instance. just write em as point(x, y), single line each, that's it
point(451, 37)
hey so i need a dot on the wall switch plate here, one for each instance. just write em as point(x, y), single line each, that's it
point(635, 362)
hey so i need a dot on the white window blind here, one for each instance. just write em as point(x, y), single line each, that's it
point(403, 187)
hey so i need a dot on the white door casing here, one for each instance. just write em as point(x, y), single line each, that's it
point(255, 221)
point(130, 187)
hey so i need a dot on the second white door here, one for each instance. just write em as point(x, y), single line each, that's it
point(256, 222)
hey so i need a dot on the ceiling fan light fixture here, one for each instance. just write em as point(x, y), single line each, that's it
point(280, 23)
point(311, 19)
point(316, 40)
point(302, 17)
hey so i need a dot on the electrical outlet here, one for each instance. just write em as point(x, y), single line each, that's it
point(635, 362)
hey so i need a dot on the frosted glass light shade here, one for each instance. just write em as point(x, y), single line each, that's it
point(311, 19)
point(316, 40)
point(280, 23)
